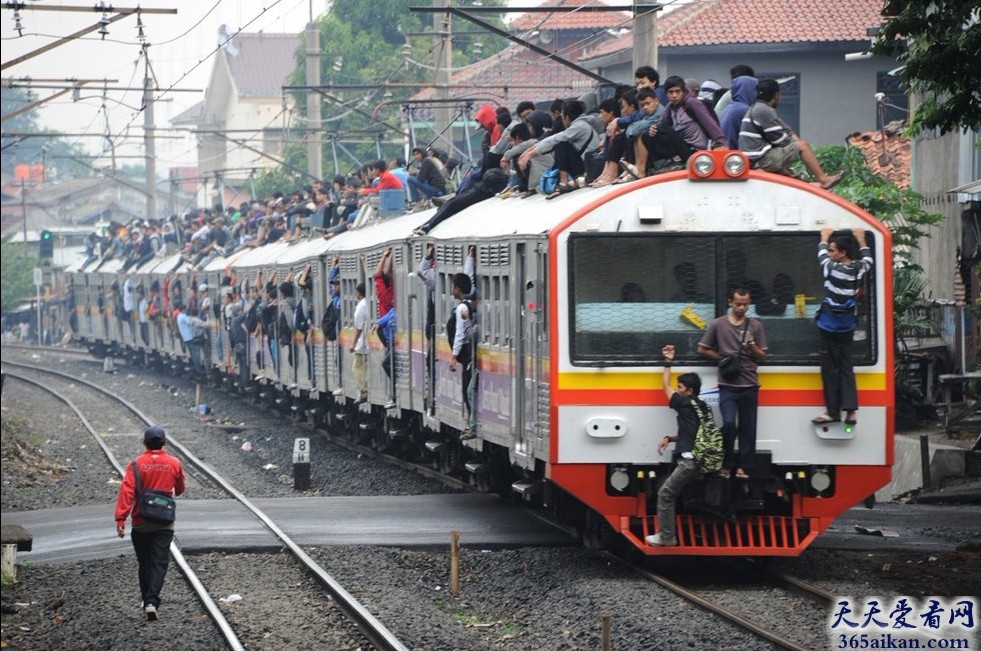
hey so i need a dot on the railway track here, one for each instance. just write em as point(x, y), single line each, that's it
point(368, 627)
point(723, 601)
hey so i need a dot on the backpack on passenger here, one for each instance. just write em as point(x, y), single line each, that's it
point(451, 322)
point(285, 331)
point(708, 448)
point(328, 323)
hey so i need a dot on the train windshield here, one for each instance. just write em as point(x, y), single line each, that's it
point(631, 294)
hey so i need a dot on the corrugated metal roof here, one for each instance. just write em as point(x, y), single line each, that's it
point(974, 187)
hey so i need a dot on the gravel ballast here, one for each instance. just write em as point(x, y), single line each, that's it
point(534, 599)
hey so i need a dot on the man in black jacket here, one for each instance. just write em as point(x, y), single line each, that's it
point(494, 181)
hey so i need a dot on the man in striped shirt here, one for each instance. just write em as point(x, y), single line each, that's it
point(843, 270)
point(770, 144)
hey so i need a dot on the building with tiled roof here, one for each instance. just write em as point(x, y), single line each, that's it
point(569, 18)
point(244, 112)
point(888, 152)
point(803, 44)
point(517, 73)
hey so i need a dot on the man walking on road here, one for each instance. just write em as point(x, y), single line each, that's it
point(151, 540)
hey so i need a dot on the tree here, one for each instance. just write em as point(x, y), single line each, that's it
point(17, 270)
point(376, 43)
point(51, 150)
point(939, 44)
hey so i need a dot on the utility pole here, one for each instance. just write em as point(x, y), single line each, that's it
point(645, 37)
point(148, 128)
point(314, 153)
point(443, 54)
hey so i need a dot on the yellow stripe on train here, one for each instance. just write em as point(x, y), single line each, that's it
point(609, 379)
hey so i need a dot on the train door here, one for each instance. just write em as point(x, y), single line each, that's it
point(529, 348)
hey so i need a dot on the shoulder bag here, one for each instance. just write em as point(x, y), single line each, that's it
point(155, 506)
point(729, 364)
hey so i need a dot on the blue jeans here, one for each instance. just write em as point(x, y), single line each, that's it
point(738, 405)
point(153, 554)
point(417, 188)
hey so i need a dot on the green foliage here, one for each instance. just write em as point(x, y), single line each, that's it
point(17, 269)
point(939, 44)
point(899, 208)
point(284, 178)
point(52, 151)
point(366, 44)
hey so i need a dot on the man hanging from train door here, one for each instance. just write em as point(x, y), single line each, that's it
point(462, 334)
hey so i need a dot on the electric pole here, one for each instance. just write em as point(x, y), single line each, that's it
point(645, 38)
point(150, 148)
point(314, 153)
point(443, 54)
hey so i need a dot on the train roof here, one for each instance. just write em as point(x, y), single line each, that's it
point(496, 217)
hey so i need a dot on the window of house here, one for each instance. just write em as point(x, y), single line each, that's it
point(789, 108)
point(895, 101)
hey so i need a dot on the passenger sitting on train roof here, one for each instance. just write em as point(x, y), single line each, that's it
point(493, 182)
point(770, 144)
point(385, 179)
point(429, 181)
point(569, 146)
point(610, 114)
point(522, 139)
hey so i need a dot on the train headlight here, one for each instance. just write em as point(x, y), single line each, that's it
point(703, 165)
point(619, 479)
point(735, 165)
point(820, 480)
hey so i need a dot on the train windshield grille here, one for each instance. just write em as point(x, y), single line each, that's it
point(632, 294)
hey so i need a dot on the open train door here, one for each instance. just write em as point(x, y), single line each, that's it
point(531, 389)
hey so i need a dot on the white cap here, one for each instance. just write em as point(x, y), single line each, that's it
point(708, 88)
point(203, 287)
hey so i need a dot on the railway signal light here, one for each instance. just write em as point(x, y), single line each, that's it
point(47, 244)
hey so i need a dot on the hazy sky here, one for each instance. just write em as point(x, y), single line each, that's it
point(180, 53)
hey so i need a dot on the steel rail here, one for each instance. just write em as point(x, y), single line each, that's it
point(214, 612)
point(376, 632)
point(711, 606)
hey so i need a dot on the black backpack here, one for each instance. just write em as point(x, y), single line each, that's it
point(451, 322)
point(301, 321)
point(252, 318)
point(285, 335)
point(328, 323)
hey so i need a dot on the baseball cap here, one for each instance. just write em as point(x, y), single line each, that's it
point(154, 434)
point(708, 88)
point(203, 287)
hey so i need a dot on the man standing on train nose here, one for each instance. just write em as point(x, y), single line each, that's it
point(737, 334)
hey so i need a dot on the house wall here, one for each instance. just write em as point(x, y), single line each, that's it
point(939, 164)
point(251, 113)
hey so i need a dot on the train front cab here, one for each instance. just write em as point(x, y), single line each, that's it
point(650, 265)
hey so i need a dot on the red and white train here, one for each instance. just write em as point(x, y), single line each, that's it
point(575, 298)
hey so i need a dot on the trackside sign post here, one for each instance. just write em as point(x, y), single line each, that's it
point(301, 464)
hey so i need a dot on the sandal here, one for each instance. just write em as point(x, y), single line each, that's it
point(563, 188)
point(823, 418)
point(741, 474)
point(833, 181)
point(850, 422)
point(725, 473)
